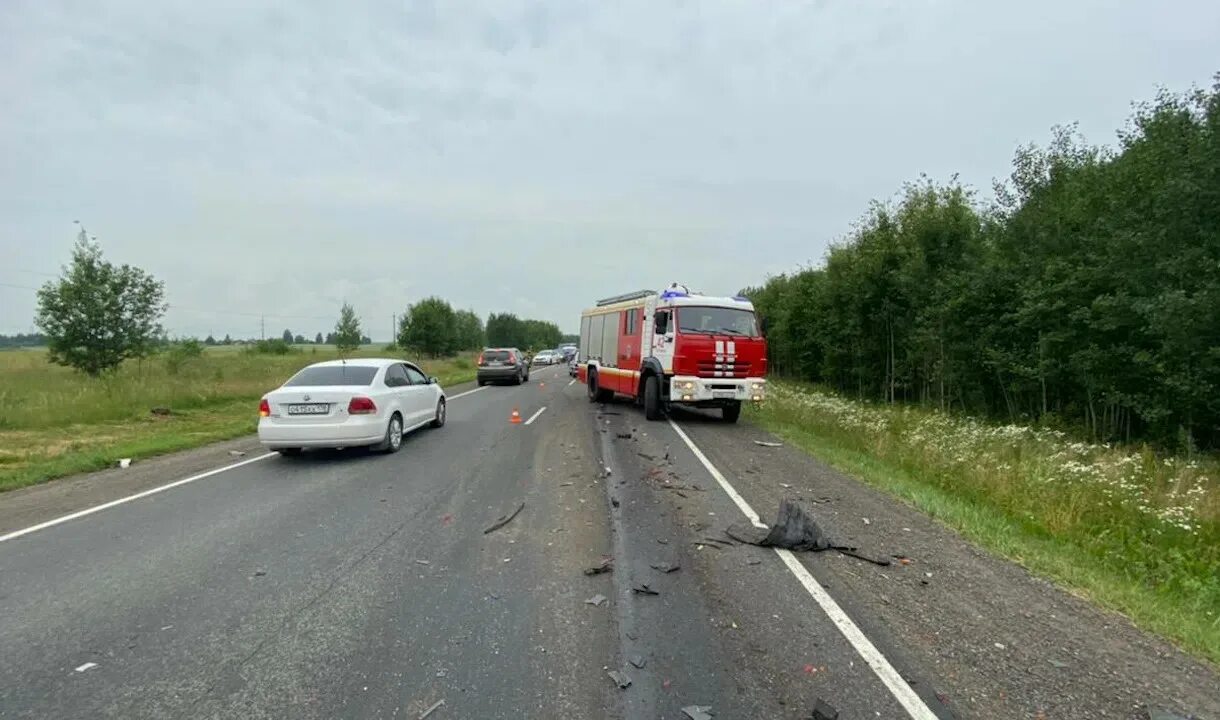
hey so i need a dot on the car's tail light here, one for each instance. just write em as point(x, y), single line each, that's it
point(361, 406)
point(264, 408)
point(481, 360)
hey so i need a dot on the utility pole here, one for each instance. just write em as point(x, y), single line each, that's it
point(394, 329)
point(262, 327)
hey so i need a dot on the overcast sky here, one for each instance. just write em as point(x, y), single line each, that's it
point(520, 156)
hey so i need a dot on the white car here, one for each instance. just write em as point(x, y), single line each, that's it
point(545, 357)
point(350, 403)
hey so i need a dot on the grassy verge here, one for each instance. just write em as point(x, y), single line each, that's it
point(1130, 530)
point(54, 422)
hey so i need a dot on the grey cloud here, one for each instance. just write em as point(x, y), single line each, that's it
point(301, 153)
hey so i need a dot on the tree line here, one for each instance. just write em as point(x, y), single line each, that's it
point(433, 327)
point(97, 315)
point(1086, 295)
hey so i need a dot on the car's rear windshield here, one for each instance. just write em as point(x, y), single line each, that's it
point(333, 375)
point(500, 355)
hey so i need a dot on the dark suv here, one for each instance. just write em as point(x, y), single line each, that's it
point(502, 365)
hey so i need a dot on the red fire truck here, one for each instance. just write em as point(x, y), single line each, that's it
point(676, 347)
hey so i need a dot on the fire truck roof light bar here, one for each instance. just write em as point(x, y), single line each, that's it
point(625, 297)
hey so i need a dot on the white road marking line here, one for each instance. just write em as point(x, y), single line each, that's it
point(162, 488)
point(898, 687)
point(535, 415)
point(572, 382)
point(152, 491)
point(464, 394)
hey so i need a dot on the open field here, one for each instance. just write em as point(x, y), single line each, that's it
point(1135, 531)
point(54, 421)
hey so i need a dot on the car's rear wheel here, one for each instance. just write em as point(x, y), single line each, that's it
point(731, 412)
point(439, 420)
point(481, 382)
point(517, 378)
point(288, 452)
point(652, 398)
point(393, 435)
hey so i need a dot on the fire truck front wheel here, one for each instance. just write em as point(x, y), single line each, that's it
point(597, 394)
point(731, 412)
point(652, 398)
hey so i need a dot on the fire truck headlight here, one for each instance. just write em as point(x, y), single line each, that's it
point(758, 387)
point(686, 385)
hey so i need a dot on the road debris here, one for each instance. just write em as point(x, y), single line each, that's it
point(597, 600)
point(623, 436)
point(1059, 664)
point(823, 710)
point(422, 562)
point(665, 567)
point(646, 456)
point(866, 521)
point(698, 712)
point(637, 661)
point(124, 462)
point(794, 529)
point(605, 566)
point(620, 678)
point(753, 561)
point(764, 443)
point(643, 589)
point(259, 573)
point(86, 666)
point(237, 453)
point(435, 706)
point(504, 520)
point(614, 501)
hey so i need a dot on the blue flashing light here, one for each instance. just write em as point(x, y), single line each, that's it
point(673, 294)
point(740, 298)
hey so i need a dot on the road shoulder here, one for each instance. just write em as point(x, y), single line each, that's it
point(1001, 642)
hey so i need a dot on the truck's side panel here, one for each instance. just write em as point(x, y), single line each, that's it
point(629, 348)
point(609, 346)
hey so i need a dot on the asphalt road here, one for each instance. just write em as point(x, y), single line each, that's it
point(354, 585)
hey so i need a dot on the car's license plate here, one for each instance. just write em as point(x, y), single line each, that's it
point(724, 394)
point(309, 409)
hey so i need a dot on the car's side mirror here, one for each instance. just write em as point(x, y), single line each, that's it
point(434, 380)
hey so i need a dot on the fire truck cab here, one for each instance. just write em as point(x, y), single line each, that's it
point(673, 347)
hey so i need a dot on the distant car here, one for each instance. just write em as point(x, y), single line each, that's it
point(545, 357)
point(365, 402)
point(568, 351)
point(502, 365)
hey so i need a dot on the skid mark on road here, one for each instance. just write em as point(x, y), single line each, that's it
point(890, 677)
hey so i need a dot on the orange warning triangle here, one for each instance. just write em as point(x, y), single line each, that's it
point(515, 418)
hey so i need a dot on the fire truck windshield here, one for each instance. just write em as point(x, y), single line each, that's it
point(717, 321)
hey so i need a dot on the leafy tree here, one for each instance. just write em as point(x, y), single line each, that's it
point(318, 339)
point(330, 338)
point(429, 326)
point(227, 341)
point(1086, 295)
point(97, 315)
point(209, 340)
point(299, 340)
point(287, 336)
point(505, 330)
point(347, 335)
point(468, 328)
point(366, 340)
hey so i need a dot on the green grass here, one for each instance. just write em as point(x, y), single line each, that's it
point(56, 422)
point(1137, 533)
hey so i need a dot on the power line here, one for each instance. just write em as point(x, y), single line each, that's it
point(20, 287)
